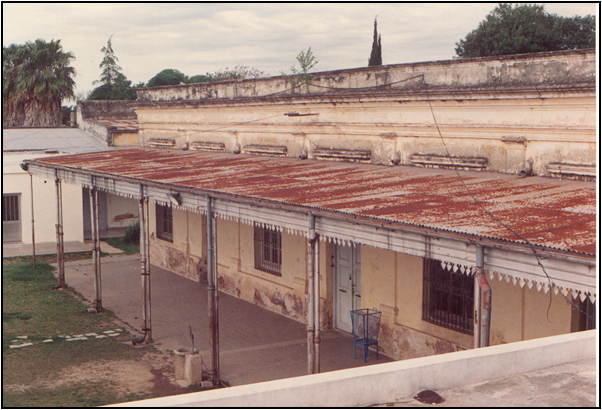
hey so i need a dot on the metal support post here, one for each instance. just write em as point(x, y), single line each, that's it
point(482, 303)
point(212, 295)
point(310, 293)
point(95, 245)
point(149, 327)
point(144, 274)
point(60, 255)
point(33, 227)
point(317, 304)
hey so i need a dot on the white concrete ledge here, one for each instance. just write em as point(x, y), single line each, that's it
point(390, 381)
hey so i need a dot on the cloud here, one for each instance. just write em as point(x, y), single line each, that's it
point(196, 38)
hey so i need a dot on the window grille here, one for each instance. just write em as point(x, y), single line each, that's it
point(268, 250)
point(447, 298)
point(164, 222)
point(10, 208)
point(587, 314)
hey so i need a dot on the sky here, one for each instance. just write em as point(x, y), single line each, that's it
point(197, 38)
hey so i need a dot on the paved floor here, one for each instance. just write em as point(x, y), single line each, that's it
point(255, 344)
point(566, 385)
point(13, 249)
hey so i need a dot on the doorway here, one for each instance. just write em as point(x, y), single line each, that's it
point(347, 289)
point(102, 212)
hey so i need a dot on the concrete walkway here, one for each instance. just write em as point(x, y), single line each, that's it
point(255, 344)
point(12, 249)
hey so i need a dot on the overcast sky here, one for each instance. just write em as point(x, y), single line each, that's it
point(206, 37)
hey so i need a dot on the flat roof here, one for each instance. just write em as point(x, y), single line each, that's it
point(553, 213)
point(62, 139)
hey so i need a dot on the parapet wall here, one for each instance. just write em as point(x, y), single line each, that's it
point(388, 382)
point(551, 69)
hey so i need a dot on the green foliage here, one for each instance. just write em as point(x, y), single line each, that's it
point(36, 77)
point(174, 77)
point(121, 243)
point(376, 53)
point(114, 84)
point(169, 76)
point(306, 61)
point(526, 28)
point(132, 233)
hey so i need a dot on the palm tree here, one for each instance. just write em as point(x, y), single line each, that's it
point(37, 79)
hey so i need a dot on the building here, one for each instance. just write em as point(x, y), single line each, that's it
point(419, 190)
point(30, 143)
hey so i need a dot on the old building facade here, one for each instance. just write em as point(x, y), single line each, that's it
point(405, 174)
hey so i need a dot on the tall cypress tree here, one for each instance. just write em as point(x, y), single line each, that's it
point(376, 53)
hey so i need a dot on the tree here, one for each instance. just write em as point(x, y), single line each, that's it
point(110, 69)
point(526, 28)
point(376, 53)
point(169, 76)
point(114, 84)
point(306, 61)
point(36, 77)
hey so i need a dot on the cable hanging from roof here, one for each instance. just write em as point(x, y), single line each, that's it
point(495, 218)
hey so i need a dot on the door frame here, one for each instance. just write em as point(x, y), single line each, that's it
point(355, 282)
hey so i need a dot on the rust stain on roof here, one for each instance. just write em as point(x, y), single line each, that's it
point(549, 212)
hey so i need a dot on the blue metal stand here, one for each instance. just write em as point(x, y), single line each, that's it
point(366, 324)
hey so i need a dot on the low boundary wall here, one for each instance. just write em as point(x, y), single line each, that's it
point(388, 382)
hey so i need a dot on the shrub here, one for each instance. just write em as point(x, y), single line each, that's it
point(132, 233)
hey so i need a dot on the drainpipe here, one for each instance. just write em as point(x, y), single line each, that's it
point(143, 272)
point(212, 295)
point(59, 232)
point(149, 326)
point(33, 228)
point(317, 305)
point(477, 298)
point(483, 325)
point(95, 255)
point(97, 278)
point(311, 295)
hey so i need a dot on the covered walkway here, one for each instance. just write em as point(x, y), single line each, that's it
point(256, 344)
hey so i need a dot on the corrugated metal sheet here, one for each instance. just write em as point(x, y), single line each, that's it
point(549, 212)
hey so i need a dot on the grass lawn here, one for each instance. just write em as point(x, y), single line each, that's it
point(54, 374)
point(121, 243)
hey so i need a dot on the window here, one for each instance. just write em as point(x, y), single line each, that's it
point(447, 298)
point(268, 250)
point(11, 218)
point(586, 312)
point(164, 222)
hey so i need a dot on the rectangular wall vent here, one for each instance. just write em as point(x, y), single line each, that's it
point(333, 154)
point(574, 171)
point(445, 161)
point(208, 146)
point(278, 150)
point(162, 142)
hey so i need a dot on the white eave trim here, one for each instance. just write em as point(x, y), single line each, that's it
point(566, 275)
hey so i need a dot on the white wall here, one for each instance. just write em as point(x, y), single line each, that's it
point(388, 382)
point(15, 180)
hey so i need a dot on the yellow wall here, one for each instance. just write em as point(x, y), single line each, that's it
point(390, 282)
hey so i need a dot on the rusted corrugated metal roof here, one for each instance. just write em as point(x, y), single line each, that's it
point(549, 212)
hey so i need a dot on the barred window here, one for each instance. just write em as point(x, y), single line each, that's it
point(268, 250)
point(447, 297)
point(10, 208)
point(164, 222)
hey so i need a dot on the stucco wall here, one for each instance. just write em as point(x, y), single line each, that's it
point(15, 180)
point(505, 109)
point(391, 282)
point(121, 211)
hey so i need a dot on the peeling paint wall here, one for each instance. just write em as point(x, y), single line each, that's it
point(507, 110)
point(391, 282)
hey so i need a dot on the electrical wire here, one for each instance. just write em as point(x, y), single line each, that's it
point(495, 218)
